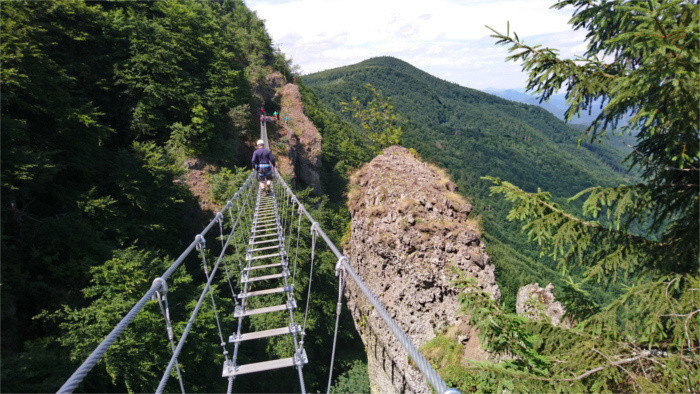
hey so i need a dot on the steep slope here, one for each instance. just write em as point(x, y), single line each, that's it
point(411, 237)
point(303, 138)
point(472, 134)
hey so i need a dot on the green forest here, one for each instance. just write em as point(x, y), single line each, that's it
point(103, 103)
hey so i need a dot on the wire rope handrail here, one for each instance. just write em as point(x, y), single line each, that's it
point(159, 285)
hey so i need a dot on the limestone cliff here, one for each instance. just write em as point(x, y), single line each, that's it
point(303, 137)
point(410, 235)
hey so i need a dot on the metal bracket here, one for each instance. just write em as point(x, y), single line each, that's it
point(300, 357)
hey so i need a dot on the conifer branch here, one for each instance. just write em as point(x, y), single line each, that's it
point(602, 367)
point(619, 366)
point(648, 162)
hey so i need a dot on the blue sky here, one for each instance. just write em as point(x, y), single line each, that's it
point(446, 38)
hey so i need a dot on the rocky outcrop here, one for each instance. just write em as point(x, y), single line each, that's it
point(411, 236)
point(535, 302)
point(265, 88)
point(303, 138)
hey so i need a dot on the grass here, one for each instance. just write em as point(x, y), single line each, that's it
point(446, 355)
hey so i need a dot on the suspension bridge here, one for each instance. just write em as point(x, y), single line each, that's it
point(264, 225)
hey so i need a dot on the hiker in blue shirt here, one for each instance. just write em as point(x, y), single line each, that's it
point(262, 163)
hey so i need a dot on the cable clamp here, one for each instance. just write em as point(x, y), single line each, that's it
point(163, 285)
point(339, 265)
point(315, 227)
point(201, 242)
point(160, 286)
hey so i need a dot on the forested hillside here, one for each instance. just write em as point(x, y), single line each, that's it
point(473, 134)
point(101, 101)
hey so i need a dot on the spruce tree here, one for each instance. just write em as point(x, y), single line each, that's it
point(642, 63)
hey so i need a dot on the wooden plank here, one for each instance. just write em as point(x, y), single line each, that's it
point(266, 241)
point(264, 235)
point(264, 227)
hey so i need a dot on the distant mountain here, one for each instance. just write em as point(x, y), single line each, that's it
point(519, 142)
point(472, 134)
point(556, 105)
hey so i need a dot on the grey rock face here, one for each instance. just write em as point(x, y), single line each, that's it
point(304, 138)
point(535, 302)
point(411, 236)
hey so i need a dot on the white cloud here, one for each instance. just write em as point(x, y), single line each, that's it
point(446, 38)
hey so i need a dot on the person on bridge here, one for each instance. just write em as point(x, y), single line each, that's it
point(262, 163)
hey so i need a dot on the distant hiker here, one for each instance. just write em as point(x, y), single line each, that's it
point(274, 115)
point(286, 119)
point(262, 118)
point(262, 111)
point(262, 163)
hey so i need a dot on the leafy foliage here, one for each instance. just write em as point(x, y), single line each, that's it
point(226, 183)
point(355, 380)
point(344, 146)
point(377, 118)
point(99, 99)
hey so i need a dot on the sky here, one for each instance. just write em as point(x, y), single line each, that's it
point(446, 38)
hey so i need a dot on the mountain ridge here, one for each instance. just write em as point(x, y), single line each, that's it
point(472, 134)
point(449, 110)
